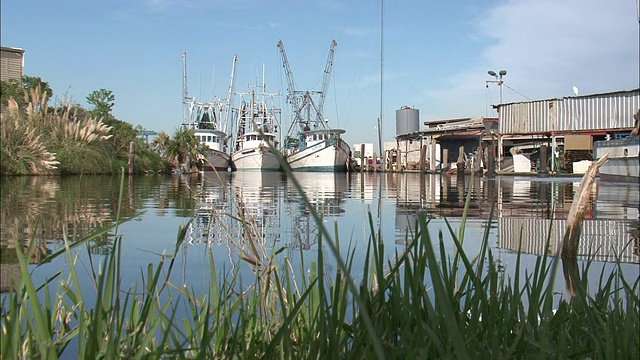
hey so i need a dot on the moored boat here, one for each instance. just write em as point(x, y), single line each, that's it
point(623, 162)
point(209, 122)
point(311, 145)
point(624, 156)
point(317, 150)
point(256, 143)
point(216, 143)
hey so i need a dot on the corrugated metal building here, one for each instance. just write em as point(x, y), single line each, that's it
point(598, 112)
point(525, 126)
point(11, 63)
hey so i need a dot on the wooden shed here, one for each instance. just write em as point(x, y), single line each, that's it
point(11, 63)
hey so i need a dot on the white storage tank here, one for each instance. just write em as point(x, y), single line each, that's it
point(407, 120)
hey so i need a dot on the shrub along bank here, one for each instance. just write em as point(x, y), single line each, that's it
point(67, 139)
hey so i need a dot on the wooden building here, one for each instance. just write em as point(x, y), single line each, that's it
point(11, 63)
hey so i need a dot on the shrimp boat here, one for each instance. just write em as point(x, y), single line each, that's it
point(623, 164)
point(623, 159)
point(209, 121)
point(317, 150)
point(215, 140)
point(256, 142)
point(311, 145)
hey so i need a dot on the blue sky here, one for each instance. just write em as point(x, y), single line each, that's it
point(436, 53)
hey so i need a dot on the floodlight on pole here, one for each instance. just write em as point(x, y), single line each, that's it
point(498, 80)
point(489, 129)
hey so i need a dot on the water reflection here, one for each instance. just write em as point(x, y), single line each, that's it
point(48, 210)
point(267, 208)
point(527, 211)
point(326, 193)
point(212, 211)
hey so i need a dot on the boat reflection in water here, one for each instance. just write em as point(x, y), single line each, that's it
point(214, 203)
point(257, 197)
point(326, 192)
point(239, 205)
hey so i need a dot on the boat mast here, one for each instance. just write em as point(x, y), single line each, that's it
point(185, 91)
point(227, 109)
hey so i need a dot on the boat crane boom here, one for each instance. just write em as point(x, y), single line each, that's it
point(326, 78)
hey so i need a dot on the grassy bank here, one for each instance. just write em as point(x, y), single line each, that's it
point(41, 140)
point(416, 303)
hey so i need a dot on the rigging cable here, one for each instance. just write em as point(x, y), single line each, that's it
point(517, 92)
point(487, 99)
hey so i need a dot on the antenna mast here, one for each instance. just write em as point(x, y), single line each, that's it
point(381, 77)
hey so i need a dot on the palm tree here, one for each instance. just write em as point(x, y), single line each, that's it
point(159, 145)
point(184, 148)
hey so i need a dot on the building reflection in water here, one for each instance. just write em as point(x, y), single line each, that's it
point(527, 212)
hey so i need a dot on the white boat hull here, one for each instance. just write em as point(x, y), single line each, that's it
point(214, 140)
point(623, 164)
point(217, 160)
point(255, 159)
point(320, 157)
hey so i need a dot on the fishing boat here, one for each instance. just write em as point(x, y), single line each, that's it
point(215, 140)
point(623, 159)
point(624, 155)
point(256, 142)
point(310, 144)
point(209, 121)
point(317, 150)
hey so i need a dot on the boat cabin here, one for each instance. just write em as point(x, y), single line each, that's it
point(311, 138)
point(213, 139)
point(256, 139)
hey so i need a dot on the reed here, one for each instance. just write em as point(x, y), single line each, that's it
point(24, 149)
point(42, 140)
point(417, 302)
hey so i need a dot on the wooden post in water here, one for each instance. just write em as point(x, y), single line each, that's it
point(374, 160)
point(362, 164)
point(543, 161)
point(384, 160)
point(491, 158)
point(445, 160)
point(132, 153)
point(432, 156)
point(571, 239)
point(460, 162)
point(423, 155)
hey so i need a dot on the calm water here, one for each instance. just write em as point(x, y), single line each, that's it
point(527, 211)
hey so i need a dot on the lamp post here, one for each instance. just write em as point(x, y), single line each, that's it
point(498, 80)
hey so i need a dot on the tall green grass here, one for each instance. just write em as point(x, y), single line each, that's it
point(418, 302)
